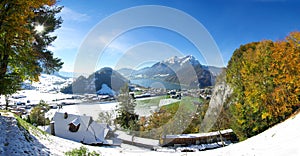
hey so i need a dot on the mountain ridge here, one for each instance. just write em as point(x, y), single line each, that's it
point(95, 81)
point(185, 70)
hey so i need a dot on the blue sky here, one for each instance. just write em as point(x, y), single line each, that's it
point(230, 24)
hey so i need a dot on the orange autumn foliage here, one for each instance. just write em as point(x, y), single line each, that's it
point(265, 77)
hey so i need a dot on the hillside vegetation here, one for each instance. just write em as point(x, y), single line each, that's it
point(265, 79)
point(184, 117)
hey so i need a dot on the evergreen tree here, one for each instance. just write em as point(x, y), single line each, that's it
point(127, 118)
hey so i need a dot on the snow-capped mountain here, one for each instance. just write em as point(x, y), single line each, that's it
point(178, 62)
point(184, 70)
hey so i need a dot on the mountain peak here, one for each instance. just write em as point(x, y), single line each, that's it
point(109, 69)
point(181, 61)
point(190, 57)
point(94, 82)
point(169, 70)
point(172, 60)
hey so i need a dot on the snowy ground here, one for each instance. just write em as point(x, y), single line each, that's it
point(93, 109)
point(13, 140)
point(164, 102)
point(35, 96)
point(282, 139)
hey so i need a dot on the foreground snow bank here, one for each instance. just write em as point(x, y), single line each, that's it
point(17, 141)
point(281, 139)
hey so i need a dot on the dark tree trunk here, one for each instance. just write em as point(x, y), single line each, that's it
point(3, 66)
point(6, 102)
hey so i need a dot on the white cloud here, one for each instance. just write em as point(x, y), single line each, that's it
point(71, 15)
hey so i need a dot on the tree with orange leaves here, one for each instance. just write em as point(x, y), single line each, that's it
point(266, 81)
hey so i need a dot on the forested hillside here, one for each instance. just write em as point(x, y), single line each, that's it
point(265, 77)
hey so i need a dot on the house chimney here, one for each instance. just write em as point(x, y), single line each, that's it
point(65, 115)
point(52, 129)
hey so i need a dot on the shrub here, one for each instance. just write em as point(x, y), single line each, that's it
point(82, 151)
point(37, 114)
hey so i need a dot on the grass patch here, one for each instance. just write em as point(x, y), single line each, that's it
point(171, 118)
point(25, 126)
point(149, 102)
point(191, 102)
point(138, 92)
point(186, 102)
point(4, 112)
point(29, 127)
point(172, 107)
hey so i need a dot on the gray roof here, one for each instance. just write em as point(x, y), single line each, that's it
point(198, 135)
point(89, 131)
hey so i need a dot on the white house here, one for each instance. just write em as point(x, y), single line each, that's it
point(80, 128)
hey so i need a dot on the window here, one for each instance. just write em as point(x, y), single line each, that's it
point(74, 125)
point(73, 128)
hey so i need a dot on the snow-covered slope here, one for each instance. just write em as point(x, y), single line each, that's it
point(16, 141)
point(281, 139)
point(105, 90)
point(48, 83)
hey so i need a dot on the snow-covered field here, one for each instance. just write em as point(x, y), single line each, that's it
point(35, 96)
point(50, 83)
